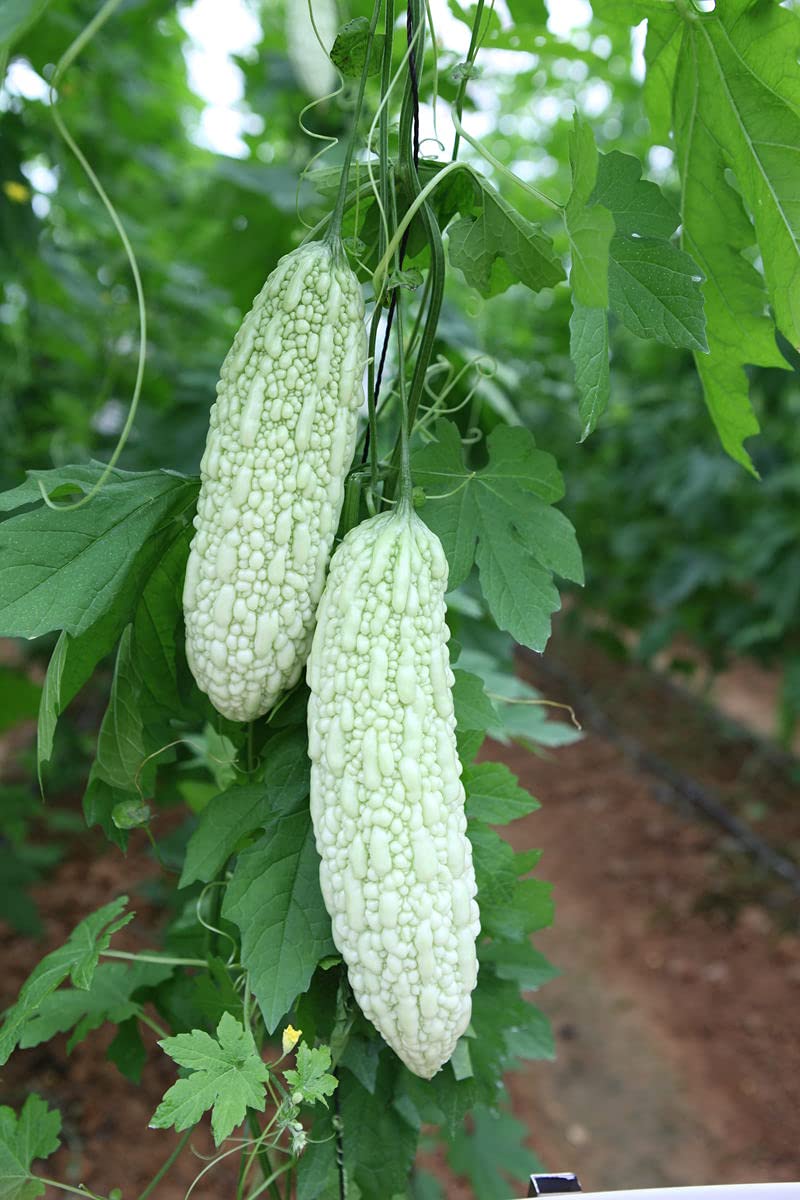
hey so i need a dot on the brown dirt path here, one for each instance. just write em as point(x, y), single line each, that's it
point(678, 1033)
point(677, 1014)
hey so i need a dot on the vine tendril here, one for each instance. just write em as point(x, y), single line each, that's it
point(66, 60)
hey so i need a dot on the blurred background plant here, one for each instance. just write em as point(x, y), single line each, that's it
point(699, 549)
point(688, 558)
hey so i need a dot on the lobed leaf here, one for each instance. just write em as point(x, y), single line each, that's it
point(227, 1076)
point(500, 517)
point(78, 959)
point(65, 569)
point(34, 1134)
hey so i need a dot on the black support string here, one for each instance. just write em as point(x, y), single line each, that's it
point(390, 314)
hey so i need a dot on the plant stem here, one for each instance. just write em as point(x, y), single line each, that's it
point(67, 1187)
point(340, 1167)
point(412, 36)
point(217, 891)
point(338, 212)
point(374, 378)
point(406, 484)
point(167, 1166)
point(151, 1024)
point(373, 392)
point(417, 326)
point(250, 756)
point(383, 118)
point(409, 150)
point(504, 170)
point(419, 202)
point(66, 60)
point(270, 1176)
point(364, 192)
point(271, 1182)
point(462, 86)
point(155, 958)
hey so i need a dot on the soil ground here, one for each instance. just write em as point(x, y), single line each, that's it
point(677, 1012)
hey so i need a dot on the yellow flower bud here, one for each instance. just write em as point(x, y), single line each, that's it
point(290, 1038)
point(17, 192)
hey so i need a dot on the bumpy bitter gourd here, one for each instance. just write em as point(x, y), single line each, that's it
point(280, 442)
point(387, 800)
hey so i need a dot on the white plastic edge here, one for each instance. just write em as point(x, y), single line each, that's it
point(738, 1191)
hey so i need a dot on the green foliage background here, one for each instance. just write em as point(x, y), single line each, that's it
point(677, 536)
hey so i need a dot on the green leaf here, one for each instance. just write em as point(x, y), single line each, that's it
point(495, 872)
point(131, 814)
point(531, 1036)
point(219, 756)
point(227, 1076)
point(654, 290)
point(529, 908)
point(240, 810)
point(495, 246)
point(317, 1176)
point(192, 1001)
point(505, 509)
point(588, 349)
point(492, 1154)
point(528, 12)
point(653, 286)
point(732, 75)
point(379, 1145)
point(71, 664)
point(127, 1051)
point(590, 226)
point(439, 468)
point(662, 48)
point(16, 18)
point(505, 1027)
point(523, 1033)
point(518, 962)
point(99, 802)
point(275, 900)
point(745, 59)
point(317, 1173)
point(520, 594)
point(443, 1100)
point(157, 625)
point(108, 998)
point(32, 1135)
point(349, 51)
point(66, 569)
point(639, 207)
point(311, 1075)
point(121, 746)
point(494, 795)
point(361, 1056)
point(649, 283)
point(631, 12)
point(78, 958)
point(225, 821)
point(511, 907)
point(474, 710)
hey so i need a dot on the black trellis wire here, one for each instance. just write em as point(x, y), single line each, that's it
point(390, 314)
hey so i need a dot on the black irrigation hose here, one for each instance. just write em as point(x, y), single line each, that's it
point(701, 798)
